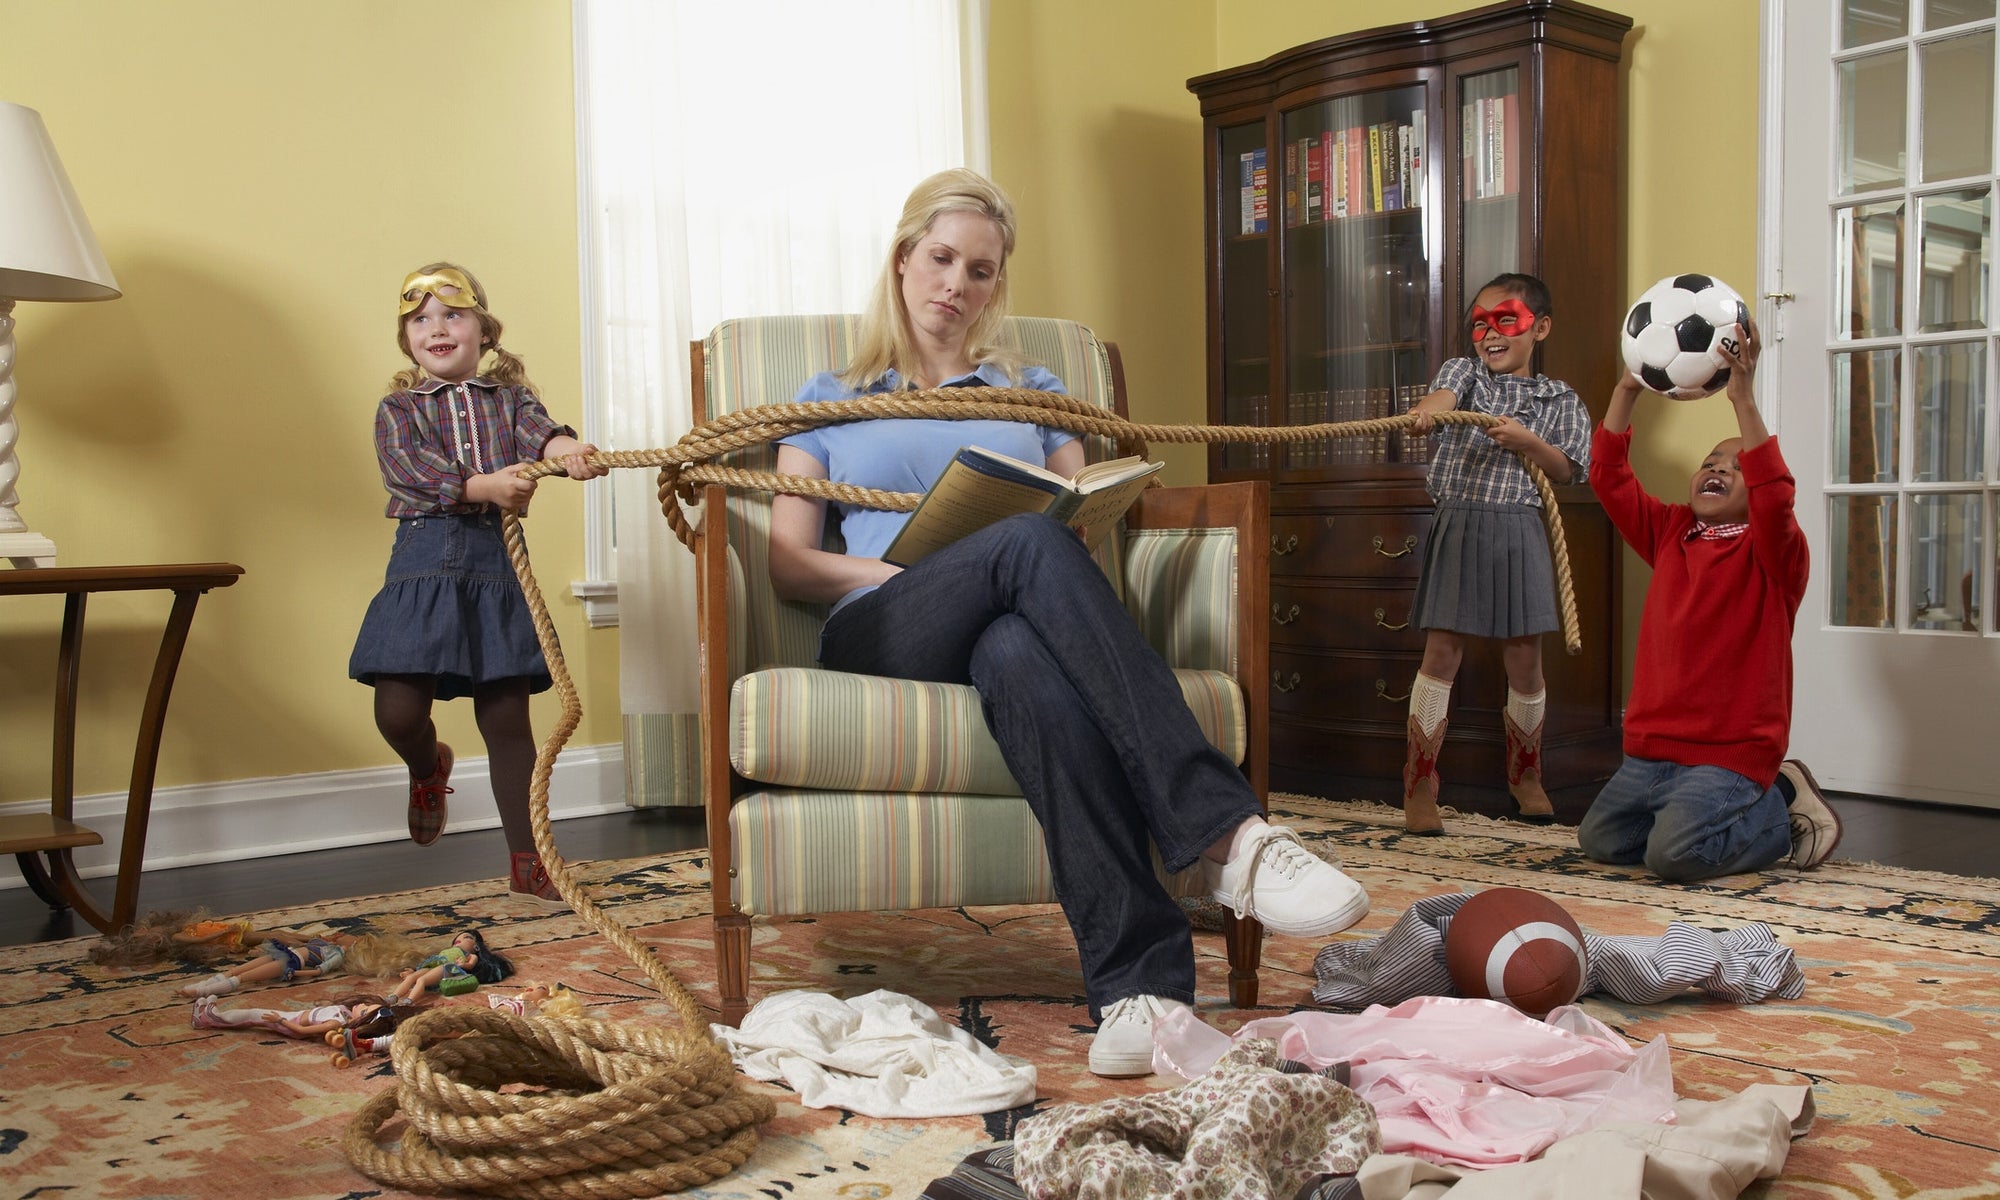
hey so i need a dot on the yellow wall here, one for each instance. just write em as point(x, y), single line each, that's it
point(260, 178)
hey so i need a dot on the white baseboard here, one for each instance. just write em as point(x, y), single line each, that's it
point(258, 818)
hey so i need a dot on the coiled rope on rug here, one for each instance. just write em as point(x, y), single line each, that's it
point(532, 1107)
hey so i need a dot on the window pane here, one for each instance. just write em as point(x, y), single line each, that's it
point(1943, 14)
point(1947, 540)
point(1958, 106)
point(1873, 101)
point(1865, 21)
point(1951, 413)
point(1867, 403)
point(1868, 246)
point(1861, 540)
point(1952, 291)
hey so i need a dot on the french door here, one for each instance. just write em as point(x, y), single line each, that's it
point(1879, 311)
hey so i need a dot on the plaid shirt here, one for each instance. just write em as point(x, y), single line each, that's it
point(1468, 465)
point(433, 437)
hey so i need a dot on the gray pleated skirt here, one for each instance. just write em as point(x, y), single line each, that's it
point(1487, 572)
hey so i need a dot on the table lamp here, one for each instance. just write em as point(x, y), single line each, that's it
point(47, 252)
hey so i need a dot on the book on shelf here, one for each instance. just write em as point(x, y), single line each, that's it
point(1294, 197)
point(1508, 173)
point(981, 486)
point(1419, 152)
point(1490, 148)
point(1315, 179)
point(1374, 168)
point(1256, 197)
point(1333, 152)
point(1357, 170)
point(1392, 168)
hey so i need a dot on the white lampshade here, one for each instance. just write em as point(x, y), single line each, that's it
point(47, 251)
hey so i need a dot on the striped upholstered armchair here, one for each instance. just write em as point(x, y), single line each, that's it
point(803, 769)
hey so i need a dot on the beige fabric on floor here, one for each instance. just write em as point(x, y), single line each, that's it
point(1714, 1150)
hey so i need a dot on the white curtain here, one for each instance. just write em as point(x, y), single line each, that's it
point(740, 158)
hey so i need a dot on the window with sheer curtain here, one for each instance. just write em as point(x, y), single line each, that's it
point(746, 158)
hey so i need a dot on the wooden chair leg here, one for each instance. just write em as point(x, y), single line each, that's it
point(1245, 939)
point(732, 966)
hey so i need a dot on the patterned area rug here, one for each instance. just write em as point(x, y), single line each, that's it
point(106, 1091)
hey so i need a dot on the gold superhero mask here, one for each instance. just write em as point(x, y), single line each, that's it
point(449, 285)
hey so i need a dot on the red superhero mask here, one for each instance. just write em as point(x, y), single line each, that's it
point(1509, 318)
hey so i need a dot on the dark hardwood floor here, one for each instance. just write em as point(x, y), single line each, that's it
point(1959, 841)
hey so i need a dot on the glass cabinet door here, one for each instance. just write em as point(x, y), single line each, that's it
point(1247, 206)
point(1492, 149)
point(1351, 197)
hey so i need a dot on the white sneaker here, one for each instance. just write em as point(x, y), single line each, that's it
point(1123, 1046)
point(1287, 887)
point(1815, 826)
point(214, 985)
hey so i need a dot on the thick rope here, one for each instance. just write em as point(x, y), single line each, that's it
point(614, 1111)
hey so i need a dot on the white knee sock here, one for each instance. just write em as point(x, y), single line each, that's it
point(1428, 700)
point(1526, 711)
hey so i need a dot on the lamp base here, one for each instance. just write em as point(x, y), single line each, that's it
point(27, 549)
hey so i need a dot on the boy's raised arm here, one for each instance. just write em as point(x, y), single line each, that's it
point(1742, 359)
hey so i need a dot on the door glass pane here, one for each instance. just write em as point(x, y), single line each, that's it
point(1958, 106)
point(1947, 544)
point(1872, 106)
point(1956, 228)
point(1865, 21)
point(1867, 407)
point(1246, 205)
point(1951, 413)
point(1943, 14)
point(1861, 540)
point(1354, 185)
point(1868, 252)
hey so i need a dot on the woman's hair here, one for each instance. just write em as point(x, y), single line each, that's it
point(506, 368)
point(1532, 291)
point(492, 966)
point(884, 340)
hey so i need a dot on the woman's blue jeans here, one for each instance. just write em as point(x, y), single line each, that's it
point(1089, 719)
point(1685, 823)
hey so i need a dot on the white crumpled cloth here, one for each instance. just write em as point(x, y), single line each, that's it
point(880, 1055)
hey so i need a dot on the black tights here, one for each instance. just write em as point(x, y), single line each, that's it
point(403, 714)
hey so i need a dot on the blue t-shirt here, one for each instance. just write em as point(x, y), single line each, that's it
point(907, 455)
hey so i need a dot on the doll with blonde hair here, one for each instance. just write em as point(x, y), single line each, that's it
point(453, 437)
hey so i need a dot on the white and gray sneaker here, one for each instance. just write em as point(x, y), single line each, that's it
point(1123, 1046)
point(1815, 826)
point(1287, 887)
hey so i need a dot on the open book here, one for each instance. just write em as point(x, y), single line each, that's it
point(981, 486)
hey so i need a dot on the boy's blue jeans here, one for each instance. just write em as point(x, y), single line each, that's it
point(1089, 719)
point(1685, 823)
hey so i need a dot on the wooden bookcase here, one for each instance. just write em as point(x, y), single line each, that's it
point(1403, 167)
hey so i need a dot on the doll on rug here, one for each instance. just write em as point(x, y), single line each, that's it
point(468, 957)
point(183, 935)
point(543, 999)
point(363, 1015)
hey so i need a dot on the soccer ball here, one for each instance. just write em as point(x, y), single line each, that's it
point(1673, 334)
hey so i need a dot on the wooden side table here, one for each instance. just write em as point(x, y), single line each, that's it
point(54, 836)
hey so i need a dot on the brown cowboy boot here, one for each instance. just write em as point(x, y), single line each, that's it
point(1421, 782)
point(1524, 774)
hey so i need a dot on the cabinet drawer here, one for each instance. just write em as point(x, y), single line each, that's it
point(1345, 616)
point(1341, 687)
point(1375, 544)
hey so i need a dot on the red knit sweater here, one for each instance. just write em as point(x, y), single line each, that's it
point(1712, 685)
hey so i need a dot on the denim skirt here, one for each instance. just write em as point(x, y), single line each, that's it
point(1487, 572)
point(450, 607)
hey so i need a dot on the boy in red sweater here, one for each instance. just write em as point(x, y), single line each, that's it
point(1705, 788)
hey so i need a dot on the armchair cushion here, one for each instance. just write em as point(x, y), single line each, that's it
point(806, 728)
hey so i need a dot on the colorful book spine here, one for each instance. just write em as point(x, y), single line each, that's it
point(1357, 170)
point(1255, 189)
point(1292, 199)
point(1333, 152)
point(1392, 168)
point(1315, 179)
point(1374, 168)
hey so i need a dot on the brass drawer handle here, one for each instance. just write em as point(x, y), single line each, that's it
point(1291, 544)
point(1382, 692)
point(1409, 544)
point(1379, 614)
point(1279, 683)
point(1289, 617)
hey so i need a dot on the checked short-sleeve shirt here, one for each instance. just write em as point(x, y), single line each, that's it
point(1468, 465)
point(433, 437)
